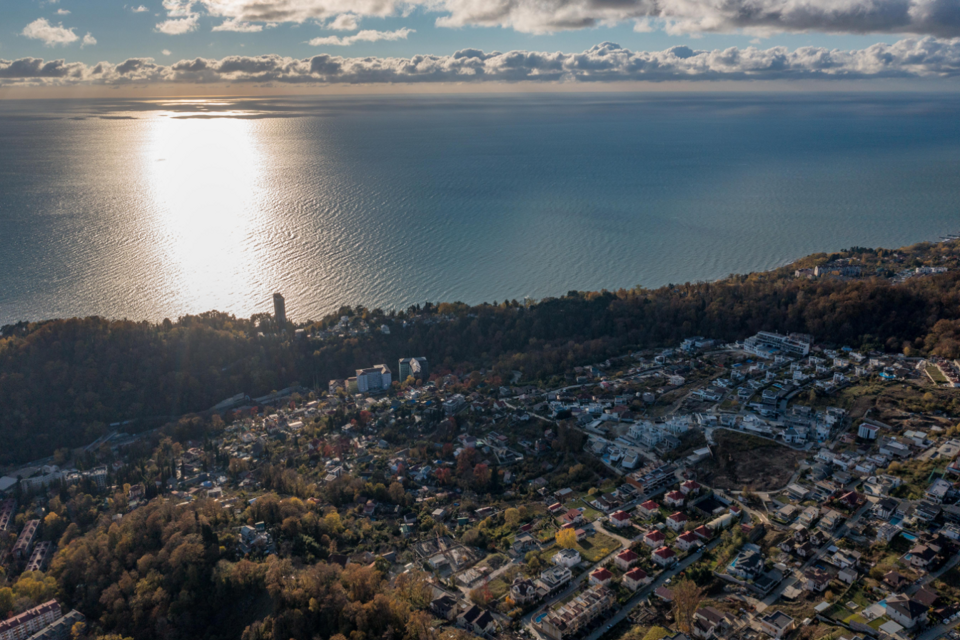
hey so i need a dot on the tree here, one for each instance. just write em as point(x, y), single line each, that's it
point(511, 517)
point(396, 493)
point(566, 538)
point(686, 599)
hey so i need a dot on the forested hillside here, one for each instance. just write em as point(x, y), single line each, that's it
point(63, 381)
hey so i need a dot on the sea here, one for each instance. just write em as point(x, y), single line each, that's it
point(152, 209)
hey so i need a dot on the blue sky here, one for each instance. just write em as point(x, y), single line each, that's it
point(826, 38)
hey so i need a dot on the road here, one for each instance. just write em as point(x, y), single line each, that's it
point(939, 630)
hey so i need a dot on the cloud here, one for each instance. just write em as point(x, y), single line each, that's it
point(908, 58)
point(51, 35)
point(178, 26)
point(88, 40)
point(240, 27)
point(343, 22)
point(368, 35)
point(922, 17)
point(166, 52)
point(140, 9)
point(63, 12)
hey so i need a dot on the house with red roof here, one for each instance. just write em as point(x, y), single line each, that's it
point(690, 487)
point(626, 559)
point(648, 509)
point(687, 541)
point(654, 539)
point(619, 519)
point(635, 578)
point(677, 521)
point(665, 557)
point(572, 516)
point(601, 576)
point(703, 532)
point(674, 499)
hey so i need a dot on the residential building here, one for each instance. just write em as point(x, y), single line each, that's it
point(24, 545)
point(279, 311)
point(444, 607)
point(40, 557)
point(601, 577)
point(477, 620)
point(626, 559)
point(654, 539)
point(567, 557)
point(30, 621)
point(619, 519)
point(767, 344)
point(747, 565)
point(664, 556)
point(674, 499)
point(648, 509)
point(523, 590)
point(413, 367)
point(776, 624)
point(570, 618)
point(687, 541)
point(376, 378)
point(707, 623)
point(677, 521)
point(555, 577)
point(635, 578)
point(906, 611)
point(868, 431)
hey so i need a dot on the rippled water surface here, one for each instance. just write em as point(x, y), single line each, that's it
point(148, 210)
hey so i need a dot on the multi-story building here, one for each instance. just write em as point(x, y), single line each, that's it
point(415, 367)
point(24, 545)
point(8, 509)
point(573, 616)
point(40, 556)
point(376, 378)
point(30, 621)
point(279, 310)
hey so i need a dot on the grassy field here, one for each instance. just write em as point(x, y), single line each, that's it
point(936, 375)
point(594, 547)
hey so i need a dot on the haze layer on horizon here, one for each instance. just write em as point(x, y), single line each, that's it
point(62, 48)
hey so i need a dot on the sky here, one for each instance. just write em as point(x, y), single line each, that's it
point(319, 43)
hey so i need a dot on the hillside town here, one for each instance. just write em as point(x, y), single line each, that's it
point(773, 488)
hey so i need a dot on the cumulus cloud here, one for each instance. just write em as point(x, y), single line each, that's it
point(178, 26)
point(51, 35)
point(140, 9)
point(63, 12)
point(88, 40)
point(368, 35)
point(922, 17)
point(908, 58)
point(343, 22)
point(240, 27)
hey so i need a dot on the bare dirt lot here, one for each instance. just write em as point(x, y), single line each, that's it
point(741, 460)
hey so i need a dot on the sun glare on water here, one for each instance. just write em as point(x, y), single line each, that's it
point(205, 180)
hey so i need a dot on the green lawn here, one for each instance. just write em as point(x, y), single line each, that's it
point(594, 547)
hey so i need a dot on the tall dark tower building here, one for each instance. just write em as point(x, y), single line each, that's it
point(279, 311)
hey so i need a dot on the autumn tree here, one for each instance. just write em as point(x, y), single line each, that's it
point(566, 538)
point(686, 599)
